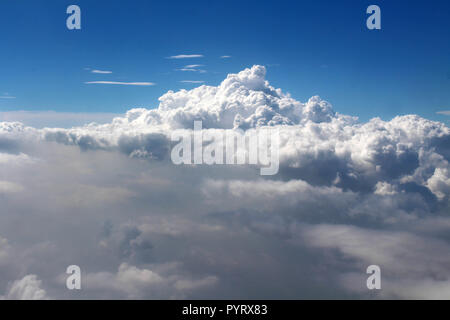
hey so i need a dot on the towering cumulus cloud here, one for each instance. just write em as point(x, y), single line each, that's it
point(109, 199)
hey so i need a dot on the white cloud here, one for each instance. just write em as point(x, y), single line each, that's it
point(192, 81)
point(27, 288)
point(446, 113)
point(192, 70)
point(272, 195)
point(7, 97)
point(225, 57)
point(186, 56)
point(439, 182)
point(384, 188)
point(131, 282)
point(101, 71)
point(318, 145)
point(122, 83)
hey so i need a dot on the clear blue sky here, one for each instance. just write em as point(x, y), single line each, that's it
point(309, 47)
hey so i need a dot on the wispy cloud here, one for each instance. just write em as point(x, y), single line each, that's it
point(446, 113)
point(192, 81)
point(101, 71)
point(192, 69)
point(6, 96)
point(186, 69)
point(122, 83)
point(41, 119)
point(186, 56)
point(225, 57)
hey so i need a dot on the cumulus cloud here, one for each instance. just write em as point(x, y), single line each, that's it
point(131, 282)
point(348, 194)
point(318, 145)
point(27, 288)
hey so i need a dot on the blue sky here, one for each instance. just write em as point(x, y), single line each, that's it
point(309, 48)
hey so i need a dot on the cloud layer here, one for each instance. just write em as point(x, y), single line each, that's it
point(348, 195)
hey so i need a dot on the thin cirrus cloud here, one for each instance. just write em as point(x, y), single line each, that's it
point(445, 113)
point(186, 56)
point(7, 97)
point(192, 81)
point(192, 70)
point(101, 71)
point(122, 83)
point(225, 57)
